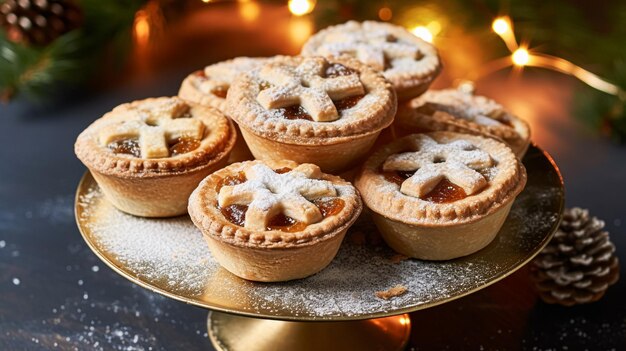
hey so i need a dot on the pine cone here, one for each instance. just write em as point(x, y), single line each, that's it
point(579, 264)
point(39, 22)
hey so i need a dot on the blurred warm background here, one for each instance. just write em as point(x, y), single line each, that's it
point(559, 64)
point(50, 45)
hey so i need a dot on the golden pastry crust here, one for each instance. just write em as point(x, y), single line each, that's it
point(218, 137)
point(206, 214)
point(395, 291)
point(156, 178)
point(408, 62)
point(506, 178)
point(460, 111)
point(209, 86)
point(373, 112)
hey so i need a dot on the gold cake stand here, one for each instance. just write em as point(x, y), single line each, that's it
point(335, 309)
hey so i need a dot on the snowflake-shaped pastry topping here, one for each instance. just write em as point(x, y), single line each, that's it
point(219, 76)
point(465, 105)
point(378, 49)
point(458, 161)
point(154, 123)
point(306, 85)
point(267, 194)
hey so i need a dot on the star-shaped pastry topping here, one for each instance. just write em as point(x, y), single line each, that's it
point(154, 123)
point(306, 85)
point(267, 194)
point(376, 48)
point(458, 161)
point(465, 105)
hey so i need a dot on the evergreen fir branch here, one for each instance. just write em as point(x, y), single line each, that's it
point(35, 71)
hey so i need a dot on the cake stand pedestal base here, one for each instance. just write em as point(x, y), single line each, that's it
point(237, 333)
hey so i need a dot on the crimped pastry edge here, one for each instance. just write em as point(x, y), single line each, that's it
point(206, 216)
point(407, 85)
point(408, 115)
point(210, 151)
point(385, 198)
point(242, 106)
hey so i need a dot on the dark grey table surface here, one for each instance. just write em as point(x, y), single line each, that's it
point(56, 294)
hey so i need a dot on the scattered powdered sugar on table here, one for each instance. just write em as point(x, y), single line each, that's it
point(172, 255)
point(168, 251)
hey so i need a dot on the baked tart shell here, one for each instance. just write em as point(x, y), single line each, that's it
point(441, 243)
point(341, 155)
point(271, 255)
point(333, 146)
point(416, 229)
point(157, 196)
point(158, 187)
point(275, 265)
point(409, 121)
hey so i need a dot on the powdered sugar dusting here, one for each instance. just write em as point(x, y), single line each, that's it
point(171, 254)
point(306, 85)
point(385, 47)
point(459, 161)
point(464, 105)
point(267, 192)
point(223, 73)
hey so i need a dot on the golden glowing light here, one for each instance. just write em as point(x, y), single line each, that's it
point(504, 28)
point(405, 320)
point(434, 27)
point(249, 10)
point(501, 25)
point(423, 33)
point(141, 28)
point(385, 14)
point(301, 7)
point(520, 57)
point(300, 29)
point(561, 65)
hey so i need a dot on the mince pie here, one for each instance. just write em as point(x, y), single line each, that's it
point(149, 155)
point(441, 195)
point(408, 62)
point(274, 220)
point(458, 110)
point(210, 85)
point(312, 109)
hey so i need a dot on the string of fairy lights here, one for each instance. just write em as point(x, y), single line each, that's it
point(520, 55)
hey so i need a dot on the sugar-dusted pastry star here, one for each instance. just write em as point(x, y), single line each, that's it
point(267, 193)
point(306, 85)
point(457, 161)
point(407, 61)
point(274, 220)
